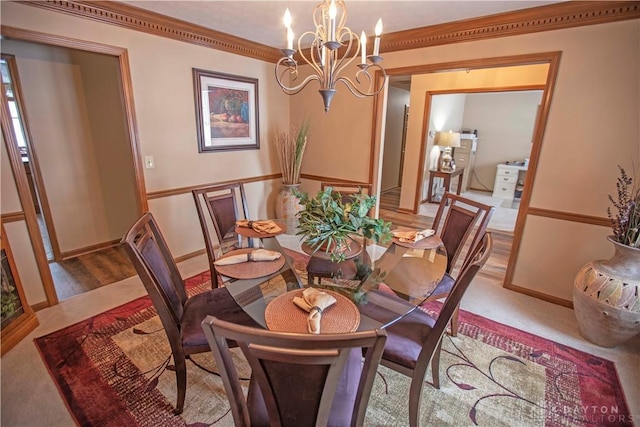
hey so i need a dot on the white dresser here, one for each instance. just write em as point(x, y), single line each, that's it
point(507, 178)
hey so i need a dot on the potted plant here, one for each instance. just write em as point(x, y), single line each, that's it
point(329, 221)
point(606, 292)
point(290, 148)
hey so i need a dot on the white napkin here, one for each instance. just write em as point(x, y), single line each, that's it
point(314, 302)
point(261, 226)
point(413, 236)
point(256, 255)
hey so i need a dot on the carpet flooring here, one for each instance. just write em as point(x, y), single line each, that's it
point(114, 368)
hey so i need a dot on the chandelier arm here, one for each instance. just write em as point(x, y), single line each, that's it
point(354, 89)
point(311, 62)
point(295, 89)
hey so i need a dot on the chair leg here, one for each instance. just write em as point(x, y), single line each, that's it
point(415, 396)
point(435, 366)
point(310, 278)
point(454, 322)
point(181, 382)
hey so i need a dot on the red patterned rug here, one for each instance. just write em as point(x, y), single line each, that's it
point(115, 369)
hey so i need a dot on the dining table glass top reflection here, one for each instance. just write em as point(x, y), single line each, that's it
point(395, 281)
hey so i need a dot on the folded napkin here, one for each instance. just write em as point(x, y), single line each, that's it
point(265, 226)
point(314, 301)
point(256, 255)
point(413, 236)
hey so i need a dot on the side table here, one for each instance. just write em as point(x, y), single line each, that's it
point(446, 176)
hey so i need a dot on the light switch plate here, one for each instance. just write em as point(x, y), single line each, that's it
point(148, 162)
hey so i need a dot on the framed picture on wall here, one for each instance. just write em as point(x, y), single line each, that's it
point(226, 111)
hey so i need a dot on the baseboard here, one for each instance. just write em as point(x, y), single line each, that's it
point(190, 255)
point(539, 295)
point(89, 249)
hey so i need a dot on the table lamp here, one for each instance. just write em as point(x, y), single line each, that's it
point(447, 140)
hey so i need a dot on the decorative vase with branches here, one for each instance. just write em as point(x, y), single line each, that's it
point(290, 147)
point(606, 293)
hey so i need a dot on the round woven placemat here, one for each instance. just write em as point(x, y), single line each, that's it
point(430, 242)
point(251, 269)
point(282, 315)
point(250, 232)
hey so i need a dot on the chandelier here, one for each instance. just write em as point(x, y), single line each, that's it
point(332, 48)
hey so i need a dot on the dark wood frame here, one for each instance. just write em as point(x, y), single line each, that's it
point(208, 143)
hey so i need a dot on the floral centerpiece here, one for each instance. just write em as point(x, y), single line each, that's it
point(329, 220)
point(626, 221)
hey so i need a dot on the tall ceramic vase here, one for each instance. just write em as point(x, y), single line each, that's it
point(605, 297)
point(288, 205)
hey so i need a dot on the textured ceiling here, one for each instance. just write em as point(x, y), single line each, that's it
point(261, 21)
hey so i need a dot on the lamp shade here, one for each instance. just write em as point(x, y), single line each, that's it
point(447, 139)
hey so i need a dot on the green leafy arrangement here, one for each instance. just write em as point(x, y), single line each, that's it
point(626, 221)
point(329, 221)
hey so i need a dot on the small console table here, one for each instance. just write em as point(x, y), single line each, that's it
point(446, 176)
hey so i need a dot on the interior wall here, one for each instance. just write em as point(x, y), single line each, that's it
point(505, 122)
point(17, 233)
point(163, 94)
point(449, 115)
point(103, 94)
point(397, 100)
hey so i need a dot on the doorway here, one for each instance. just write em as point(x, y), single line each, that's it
point(496, 129)
point(83, 148)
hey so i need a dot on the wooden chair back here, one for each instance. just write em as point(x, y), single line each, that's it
point(462, 215)
point(158, 272)
point(296, 377)
point(219, 207)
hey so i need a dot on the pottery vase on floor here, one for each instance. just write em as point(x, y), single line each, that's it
point(605, 297)
point(288, 205)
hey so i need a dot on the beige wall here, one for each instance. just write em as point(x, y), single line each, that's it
point(17, 234)
point(397, 100)
point(457, 80)
point(597, 88)
point(161, 74)
point(505, 122)
point(103, 94)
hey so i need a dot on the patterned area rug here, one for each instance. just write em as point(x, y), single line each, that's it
point(115, 369)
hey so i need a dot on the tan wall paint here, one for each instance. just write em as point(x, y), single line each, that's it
point(420, 84)
point(339, 141)
point(17, 233)
point(161, 73)
point(594, 92)
point(397, 100)
point(102, 86)
point(597, 89)
point(505, 122)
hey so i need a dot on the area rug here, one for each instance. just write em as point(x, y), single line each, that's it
point(115, 369)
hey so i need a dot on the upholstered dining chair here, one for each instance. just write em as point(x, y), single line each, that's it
point(297, 379)
point(461, 223)
point(318, 267)
point(415, 341)
point(181, 316)
point(219, 207)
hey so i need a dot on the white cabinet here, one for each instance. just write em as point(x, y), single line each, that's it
point(465, 157)
point(507, 178)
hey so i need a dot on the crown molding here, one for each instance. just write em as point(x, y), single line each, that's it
point(536, 19)
point(133, 18)
point(542, 18)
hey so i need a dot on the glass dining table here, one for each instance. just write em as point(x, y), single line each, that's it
point(398, 279)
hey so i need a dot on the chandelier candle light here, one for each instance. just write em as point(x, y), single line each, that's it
point(330, 38)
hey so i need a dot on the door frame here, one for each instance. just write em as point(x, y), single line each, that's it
point(379, 113)
point(132, 129)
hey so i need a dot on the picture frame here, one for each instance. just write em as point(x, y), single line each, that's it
point(226, 111)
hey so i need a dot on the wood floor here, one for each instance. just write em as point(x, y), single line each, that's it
point(88, 272)
point(91, 271)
